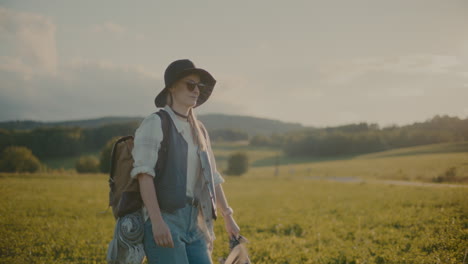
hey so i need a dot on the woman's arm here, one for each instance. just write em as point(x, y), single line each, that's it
point(161, 232)
point(147, 142)
point(231, 226)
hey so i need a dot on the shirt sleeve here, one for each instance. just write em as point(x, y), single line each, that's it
point(147, 142)
point(218, 179)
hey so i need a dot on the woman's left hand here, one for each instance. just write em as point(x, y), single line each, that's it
point(232, 228)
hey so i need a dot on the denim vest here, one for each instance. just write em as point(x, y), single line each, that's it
point(171, 183)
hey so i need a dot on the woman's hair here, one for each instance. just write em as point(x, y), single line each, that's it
point(197, 133)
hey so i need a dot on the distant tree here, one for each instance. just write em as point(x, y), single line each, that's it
point(277, 140)
point(238, 164)
point(97, 138)
point(64, 141)
point(6, 138)
point(18, 159)
point(50, 142)
point(450, 175)
point(105, 157)
point(228, 135)
point(260, 141)
point(87, 164)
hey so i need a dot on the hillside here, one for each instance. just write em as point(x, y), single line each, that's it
point(83, 123)
point(251, 125)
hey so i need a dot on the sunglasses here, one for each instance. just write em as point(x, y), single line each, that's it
point(191, 85)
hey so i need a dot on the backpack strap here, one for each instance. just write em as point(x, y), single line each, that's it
point(163, 150)
point(113, 152)
point(113, 164)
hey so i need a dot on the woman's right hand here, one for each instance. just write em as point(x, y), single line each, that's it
point(162, 234)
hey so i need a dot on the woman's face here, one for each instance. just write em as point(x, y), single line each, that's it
point(181, 93)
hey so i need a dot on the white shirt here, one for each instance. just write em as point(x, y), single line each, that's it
point(147, 142)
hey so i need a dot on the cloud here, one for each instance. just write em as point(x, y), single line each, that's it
point(283, 78)
point(83, 89)
point(29, 43)
point(347, 117)
point(114, 30)
point(109, 27)
point(90, 89)
point(403, 91)
point(35, 85)
point(347, 71)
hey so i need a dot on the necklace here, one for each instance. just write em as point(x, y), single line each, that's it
point(179, 114)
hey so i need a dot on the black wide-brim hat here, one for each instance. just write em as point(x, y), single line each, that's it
point(178, 70)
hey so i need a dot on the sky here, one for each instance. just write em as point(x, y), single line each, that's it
point(318, 63)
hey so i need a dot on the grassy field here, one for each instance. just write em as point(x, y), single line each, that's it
point(289, 218)
point(58, 219)
point(421, 164)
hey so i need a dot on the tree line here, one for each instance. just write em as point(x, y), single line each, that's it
point(61, 141)
point(52, 142)
point(365, 138)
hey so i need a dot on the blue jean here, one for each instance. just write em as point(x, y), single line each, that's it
point(189, 243)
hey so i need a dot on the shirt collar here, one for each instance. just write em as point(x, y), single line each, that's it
point(177, 122)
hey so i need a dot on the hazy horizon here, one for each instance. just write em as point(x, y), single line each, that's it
point(316, 63)
point(204, 114)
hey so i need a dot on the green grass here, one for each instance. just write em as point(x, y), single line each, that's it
point(300, 221)
point(412, 168)
point(423, 163)
point(57, 218)
point(289, 218)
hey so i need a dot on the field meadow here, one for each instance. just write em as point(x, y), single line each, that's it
point(303, 214)
point(419, 164)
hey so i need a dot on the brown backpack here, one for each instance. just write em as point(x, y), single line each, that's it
point(124, 194)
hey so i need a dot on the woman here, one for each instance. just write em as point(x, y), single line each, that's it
point(180, 202)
